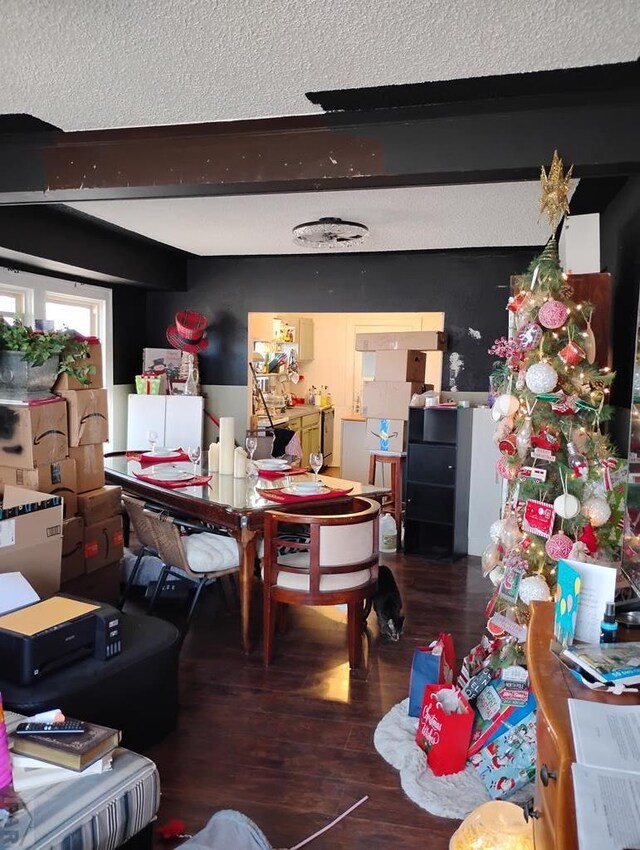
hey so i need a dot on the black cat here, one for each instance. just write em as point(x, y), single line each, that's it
point(387, 603)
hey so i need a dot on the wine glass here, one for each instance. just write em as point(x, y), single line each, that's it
point(194, 457)
point(251, 444)
point(315, 461)
point(152, 439)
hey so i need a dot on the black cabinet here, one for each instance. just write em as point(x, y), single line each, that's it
point(437, 482)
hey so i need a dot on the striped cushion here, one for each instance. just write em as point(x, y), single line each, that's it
point(98, 812)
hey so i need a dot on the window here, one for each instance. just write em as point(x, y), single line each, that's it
point(12, 303)
point(74, 312)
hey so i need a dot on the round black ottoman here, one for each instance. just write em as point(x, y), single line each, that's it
point(136, 692)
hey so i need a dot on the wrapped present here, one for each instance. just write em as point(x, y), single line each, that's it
point(431, 665)
point(444, 729)
point(150, 384)
point(509, 762)
point(499, 707)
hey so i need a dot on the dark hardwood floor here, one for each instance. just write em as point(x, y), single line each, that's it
point(292, 746)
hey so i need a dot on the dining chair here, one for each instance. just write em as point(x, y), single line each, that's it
point(135, 511)
point(336, 565)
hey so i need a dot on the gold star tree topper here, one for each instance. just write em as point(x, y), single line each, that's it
point(555, 191)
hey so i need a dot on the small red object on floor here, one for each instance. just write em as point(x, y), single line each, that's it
point(174, 828)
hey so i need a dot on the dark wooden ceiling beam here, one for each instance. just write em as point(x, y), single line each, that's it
point(65, 244)
point(486, 141)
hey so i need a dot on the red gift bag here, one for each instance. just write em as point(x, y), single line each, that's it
point(431, 665)
point(444, 737)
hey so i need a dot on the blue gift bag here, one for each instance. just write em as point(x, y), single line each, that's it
point(431, 665)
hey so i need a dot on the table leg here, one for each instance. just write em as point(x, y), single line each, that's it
point(247, 548)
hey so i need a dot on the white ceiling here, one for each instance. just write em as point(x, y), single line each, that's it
point(403, 219)
point(88, 64)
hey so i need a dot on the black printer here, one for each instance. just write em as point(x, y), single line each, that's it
point(43, 637)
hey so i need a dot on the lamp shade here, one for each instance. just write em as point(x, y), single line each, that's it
point(494, 826)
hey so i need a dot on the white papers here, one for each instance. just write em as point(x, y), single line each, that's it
point(33, 773)
point(15, 592)
point(597, 587)
point(607, 808)
point(606, 735)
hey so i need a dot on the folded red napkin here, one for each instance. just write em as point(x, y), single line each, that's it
point(146, 459)
point(275, 494)
point(276, 473)
point(198, 481)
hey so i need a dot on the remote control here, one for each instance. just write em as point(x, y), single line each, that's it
point(69, 727)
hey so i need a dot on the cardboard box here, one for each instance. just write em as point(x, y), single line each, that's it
point(98, 505)
point(88, 412)
point(33, 435)
point(58, 478)
point(89, 467)
point(396, 435)
point(103, 543)
point(96, 381)
point(31, 542)
point(404, 341)
point(388, 399)
point(400, 366)
point(72, 549)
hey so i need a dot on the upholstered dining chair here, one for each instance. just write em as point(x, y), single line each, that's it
point(198, 558)
point(337, 565)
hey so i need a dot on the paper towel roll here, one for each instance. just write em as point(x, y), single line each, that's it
point(227, 444)
point(214, 457)
point(239, 463)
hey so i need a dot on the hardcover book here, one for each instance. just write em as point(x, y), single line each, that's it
point(75, 752)
point(608, 663)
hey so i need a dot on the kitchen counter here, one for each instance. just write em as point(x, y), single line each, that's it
point(354, 417)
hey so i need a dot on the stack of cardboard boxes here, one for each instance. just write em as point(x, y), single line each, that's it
point(54, 446)
point(400, 365)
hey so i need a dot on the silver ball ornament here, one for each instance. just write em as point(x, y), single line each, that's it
point(541, 378)
point(495, 530)
point(596, 510)
point(533, 589)
point(506, 404)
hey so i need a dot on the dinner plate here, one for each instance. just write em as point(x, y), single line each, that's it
point(171, 475)
point(295, 490)
point(274, 465)
point(160, 453)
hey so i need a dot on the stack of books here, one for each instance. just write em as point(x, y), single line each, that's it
point(39, 760)
point(605, 663)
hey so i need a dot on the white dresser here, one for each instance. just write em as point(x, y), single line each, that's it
point(177, 420)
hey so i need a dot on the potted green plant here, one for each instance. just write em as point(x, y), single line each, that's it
point(31, 360)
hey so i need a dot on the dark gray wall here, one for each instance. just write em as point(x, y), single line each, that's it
point(470, 286)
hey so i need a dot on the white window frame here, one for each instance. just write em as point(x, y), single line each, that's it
point(36, 288)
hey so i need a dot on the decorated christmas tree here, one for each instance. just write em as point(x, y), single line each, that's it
point(550, 406)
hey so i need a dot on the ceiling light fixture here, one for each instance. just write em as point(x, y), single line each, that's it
point(330, 233)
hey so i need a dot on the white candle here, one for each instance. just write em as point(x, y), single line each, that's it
point(227, 444)
point(239, 463)
point(214, 457)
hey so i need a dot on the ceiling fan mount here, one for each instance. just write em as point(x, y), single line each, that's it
point(330, 233)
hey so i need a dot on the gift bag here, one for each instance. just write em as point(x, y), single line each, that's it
point(444, 728)
point(431, 665)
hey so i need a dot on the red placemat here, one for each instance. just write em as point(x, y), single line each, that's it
point(173, 485)
point(149, 461)
point(276, 473)
point(275, 494)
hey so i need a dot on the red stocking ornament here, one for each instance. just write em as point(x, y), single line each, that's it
point(588, 537)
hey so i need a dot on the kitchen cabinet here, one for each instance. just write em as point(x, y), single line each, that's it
point(294, 424)
point(301, 335)
point(176, 419)
point(310, 435)
point(437, 482)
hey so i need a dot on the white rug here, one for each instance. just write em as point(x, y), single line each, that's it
point(446, 796)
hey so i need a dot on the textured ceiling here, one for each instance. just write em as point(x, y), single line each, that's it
point(406, 219)
point(90, 64)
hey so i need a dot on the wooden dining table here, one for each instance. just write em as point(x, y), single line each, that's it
point(229, 503)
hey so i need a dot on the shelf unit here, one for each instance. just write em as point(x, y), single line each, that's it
point(437, 482)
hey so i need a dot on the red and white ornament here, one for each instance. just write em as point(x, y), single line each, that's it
point(596, 510)
point(534, 588)
point(517, 301)
point(507, 471)
point(572, 354)
point(507, 446)
point(558, 546)
point(529, 336)
point(541, 378)
point(553, 314)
